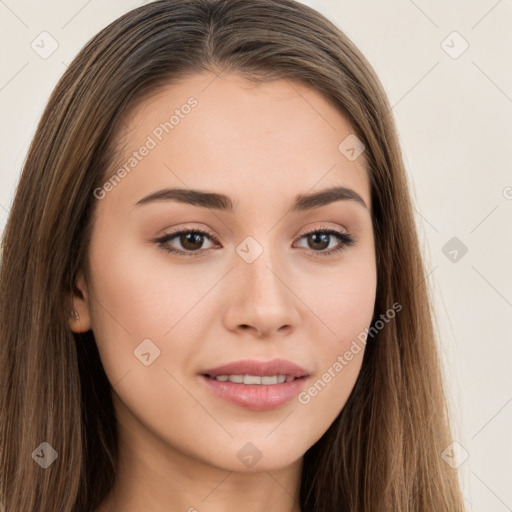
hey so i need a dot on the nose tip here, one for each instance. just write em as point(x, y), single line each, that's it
point(260, 299)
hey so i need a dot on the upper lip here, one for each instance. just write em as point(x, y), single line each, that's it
point(261, 368)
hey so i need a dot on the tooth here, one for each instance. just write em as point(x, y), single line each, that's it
point(252, 379)
point(267, 380)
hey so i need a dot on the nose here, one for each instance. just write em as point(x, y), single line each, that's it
point(261, 297)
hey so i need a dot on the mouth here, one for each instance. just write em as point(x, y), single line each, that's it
point(256, 385)
point(250, 371)
point(259, 380)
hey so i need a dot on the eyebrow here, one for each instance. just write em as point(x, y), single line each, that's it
point(222, 202)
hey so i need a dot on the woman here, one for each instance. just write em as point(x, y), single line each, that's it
point(212, 291)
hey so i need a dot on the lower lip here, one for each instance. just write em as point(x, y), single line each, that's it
point(257, 397)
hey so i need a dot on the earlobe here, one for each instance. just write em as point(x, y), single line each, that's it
point(79, 317)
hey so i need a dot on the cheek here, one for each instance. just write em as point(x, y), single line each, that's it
point(345, 307)
point(137, 292)
point(137, 295)
point(343, 298)
point(125, 308)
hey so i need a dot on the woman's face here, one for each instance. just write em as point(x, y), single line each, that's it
point(260, 281)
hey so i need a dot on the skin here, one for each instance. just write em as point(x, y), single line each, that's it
point(260, 144)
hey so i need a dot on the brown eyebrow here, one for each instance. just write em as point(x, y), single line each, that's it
point(216, 201)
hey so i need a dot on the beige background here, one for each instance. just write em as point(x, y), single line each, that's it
point(453, 111)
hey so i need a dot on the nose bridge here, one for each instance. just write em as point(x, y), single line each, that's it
point(261, 265)
point(261, 295)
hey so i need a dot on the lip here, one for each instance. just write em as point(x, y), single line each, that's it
point(263, 368)
point(257, 397)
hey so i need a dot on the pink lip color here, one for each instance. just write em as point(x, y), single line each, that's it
point(257, 397)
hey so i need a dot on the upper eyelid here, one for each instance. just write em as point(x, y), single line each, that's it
point(179, 231)
point(203, 231)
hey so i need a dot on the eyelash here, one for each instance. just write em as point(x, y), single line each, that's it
point(345, 239)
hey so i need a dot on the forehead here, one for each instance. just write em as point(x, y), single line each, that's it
point(228, 133)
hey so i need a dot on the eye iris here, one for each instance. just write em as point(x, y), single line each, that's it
point(322, 238)
point(189, 239)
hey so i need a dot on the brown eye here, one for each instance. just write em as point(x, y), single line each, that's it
point(190, 242)
point(320, 239)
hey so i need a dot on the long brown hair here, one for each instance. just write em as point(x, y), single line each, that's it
point(383, 451)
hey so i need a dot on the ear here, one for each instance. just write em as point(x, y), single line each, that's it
point(81, 304)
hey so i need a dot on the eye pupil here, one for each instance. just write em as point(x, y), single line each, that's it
point(187, 240)
point(322, 238)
